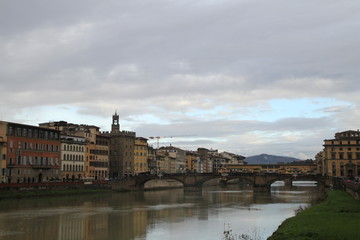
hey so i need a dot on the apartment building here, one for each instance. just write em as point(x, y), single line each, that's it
point(342, 155)
point(206, 160)
point(32, 154)
point(141, 155)
point(99, 165)
point(73, 157)
point(151, 156)
point(177, 158)
point(96, 164)
point(193, 162)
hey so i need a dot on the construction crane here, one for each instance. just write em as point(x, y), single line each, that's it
point(158, 137)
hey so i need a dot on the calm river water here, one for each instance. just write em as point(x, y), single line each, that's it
point(154, 215)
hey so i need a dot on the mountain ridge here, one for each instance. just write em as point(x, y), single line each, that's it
point(269, 159)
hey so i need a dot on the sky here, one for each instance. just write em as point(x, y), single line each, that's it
point(243, 76)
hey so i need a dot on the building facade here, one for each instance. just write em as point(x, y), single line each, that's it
point(72, 158)
point(99, 165)
point(32, 153)
point(177, 159)
point(342, 155)
point(141, 163)
point(96, 164)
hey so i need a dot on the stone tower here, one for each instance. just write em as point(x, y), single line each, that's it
point(115, 127)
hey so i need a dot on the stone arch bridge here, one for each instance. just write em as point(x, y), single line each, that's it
point(258, 181)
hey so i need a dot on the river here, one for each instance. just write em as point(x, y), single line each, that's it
point(154, 215)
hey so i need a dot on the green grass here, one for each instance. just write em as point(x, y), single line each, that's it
point(338, 217)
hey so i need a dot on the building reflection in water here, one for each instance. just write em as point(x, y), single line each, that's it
point(130, 216)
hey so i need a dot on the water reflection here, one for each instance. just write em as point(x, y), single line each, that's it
point(153, 214)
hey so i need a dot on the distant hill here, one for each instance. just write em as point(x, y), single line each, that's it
point(269, 159)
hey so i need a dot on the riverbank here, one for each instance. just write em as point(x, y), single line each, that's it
point(337, 217)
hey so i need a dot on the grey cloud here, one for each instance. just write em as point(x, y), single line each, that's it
point(171, 58)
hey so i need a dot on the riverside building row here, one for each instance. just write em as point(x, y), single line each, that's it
point(62, 151)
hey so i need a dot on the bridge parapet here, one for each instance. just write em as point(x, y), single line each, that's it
point(258, 181)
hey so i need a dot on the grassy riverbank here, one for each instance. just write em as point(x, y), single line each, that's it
point(335, 218)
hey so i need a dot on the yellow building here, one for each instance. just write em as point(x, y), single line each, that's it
point(342, 155)
point(100, 164)
point(293, 168)
point(141, 155)
point(192, 161)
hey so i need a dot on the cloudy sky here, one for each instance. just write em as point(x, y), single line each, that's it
point(244, 76)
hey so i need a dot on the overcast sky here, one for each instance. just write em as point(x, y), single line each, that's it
point(244, 76)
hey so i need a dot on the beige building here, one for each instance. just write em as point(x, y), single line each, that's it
point(141, 155)
point(206, 160)
point(72, 158)
point(96, 164)
point(342, 155)
point(177, 159)
point(162, 163)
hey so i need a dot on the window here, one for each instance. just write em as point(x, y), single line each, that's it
point(24, 132)
point(11, 131)
point(18, 132)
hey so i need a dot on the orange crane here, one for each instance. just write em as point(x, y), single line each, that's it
point(158, 137)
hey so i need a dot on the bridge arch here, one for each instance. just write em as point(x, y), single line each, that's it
point(289, 179)
point(246, 179)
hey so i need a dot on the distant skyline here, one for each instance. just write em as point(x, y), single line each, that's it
point(247, 77)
